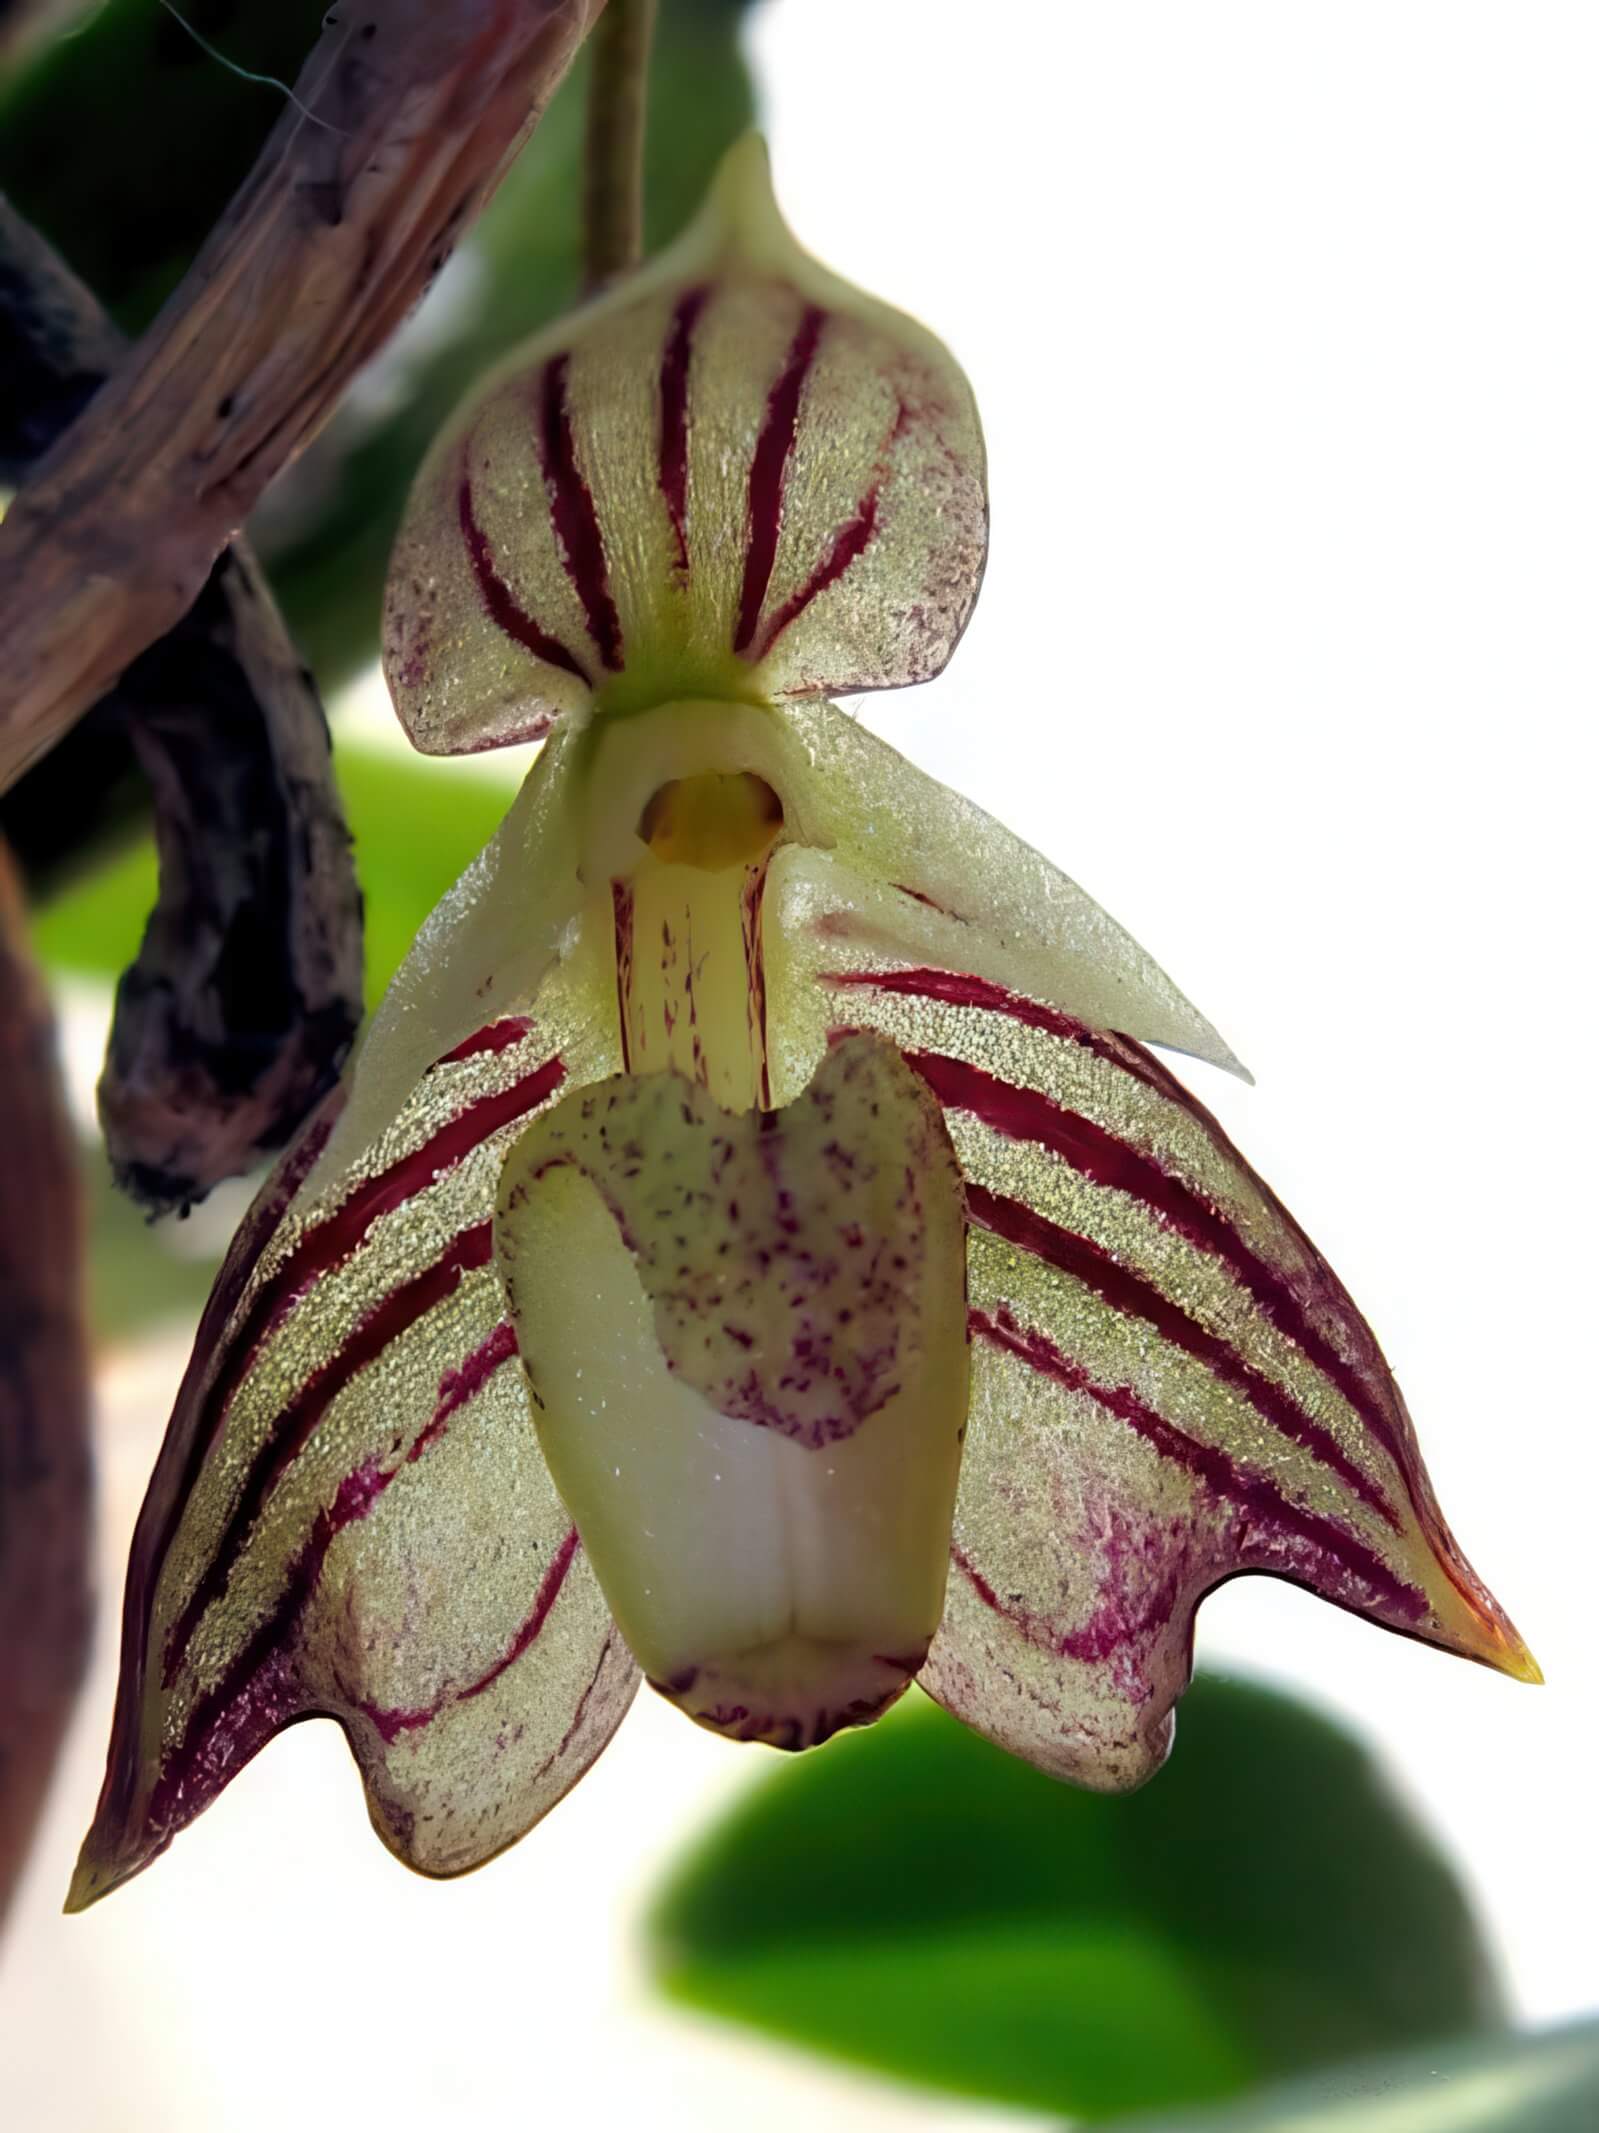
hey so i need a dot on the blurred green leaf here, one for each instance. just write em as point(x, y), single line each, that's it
point(124, 142)
point(917, 1901)
point(93, 926)
point(415, 823)
point(1542, 2084)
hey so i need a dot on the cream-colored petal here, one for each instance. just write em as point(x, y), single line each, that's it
point(746, 1339)
point(350, 1515)
point(887, 862)
point(732, 476)
point(485, 953)
point(1169, 1386)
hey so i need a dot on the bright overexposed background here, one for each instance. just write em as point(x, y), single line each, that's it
point(1285, 328)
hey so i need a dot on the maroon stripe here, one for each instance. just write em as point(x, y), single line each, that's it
point(458, 1386)
point(495, 1037)
point(330, 1242)
point(768, 470)
point(1253, 1493)
point(1394, 1429)
point(1025, 1114)
point(622, 930)
point(851, 540)
point(549, 1589)
point(961, 989)
point(1129, 1294)
point(577, 525)
point(753, 909)
point(294, 1423)
point(919, 896)
point(234, 1695)
point(674, 416)
point(164, 1503)
point(579, 1714)
point(392, 1723)
point(1109, 1628)
point(500, 603)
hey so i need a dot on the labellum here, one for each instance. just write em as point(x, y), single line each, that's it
point(753, 1243)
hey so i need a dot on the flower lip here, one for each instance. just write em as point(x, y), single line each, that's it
point(761, 1453)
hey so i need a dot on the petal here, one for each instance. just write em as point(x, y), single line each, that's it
point(746, 1338)
point(350, 1516)
point(899, 864)
point(1169, 1385)
point(733, 476)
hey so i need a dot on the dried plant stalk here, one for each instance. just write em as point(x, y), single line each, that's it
point(405, 117)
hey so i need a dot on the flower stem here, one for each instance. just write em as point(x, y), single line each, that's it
point(613, 186)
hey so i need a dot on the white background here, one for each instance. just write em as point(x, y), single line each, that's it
point(1283, 322)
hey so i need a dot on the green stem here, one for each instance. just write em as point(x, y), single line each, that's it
point(613, 186)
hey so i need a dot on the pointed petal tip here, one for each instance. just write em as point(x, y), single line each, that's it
point(1506, 1652)
point(98, 1875)
point(1481, 1630)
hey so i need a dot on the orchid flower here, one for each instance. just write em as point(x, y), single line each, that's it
point(753, 1246)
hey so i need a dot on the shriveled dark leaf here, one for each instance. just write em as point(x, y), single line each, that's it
point(92, 928)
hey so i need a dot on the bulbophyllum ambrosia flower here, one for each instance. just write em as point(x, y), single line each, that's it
point(753, 1245)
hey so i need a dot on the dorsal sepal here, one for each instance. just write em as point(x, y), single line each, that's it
point(732, 476)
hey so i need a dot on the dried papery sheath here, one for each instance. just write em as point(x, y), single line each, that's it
point(753, 1243)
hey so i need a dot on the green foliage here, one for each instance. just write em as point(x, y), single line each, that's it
point(916, 1901)
point(1542, 2084)
point(123, 144)
point(416, 825)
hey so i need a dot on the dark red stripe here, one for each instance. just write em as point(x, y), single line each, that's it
point(1025, 1114)
point(1260, 1498)
point(1128, 1293)
point(768, 470)
point(1109, 1628)
point(961, 989)
point(577, 525)
point(496, 1037)
point(263, 1659)
point(753, 911)
point(293, 1425)
point(458, 1386)
point(392, 1723)
point(182, 1454)
point(675, 360)
point(622, 935)
point(919, 896)
point(851, 540)
point(500, 603)
point(331, 1241)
